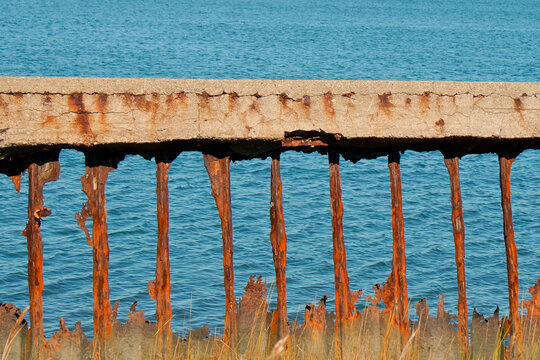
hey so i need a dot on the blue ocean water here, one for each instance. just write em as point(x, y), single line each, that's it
point(395, 40)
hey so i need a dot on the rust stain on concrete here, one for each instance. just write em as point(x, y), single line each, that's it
point(385, 104)
point(306, 106)
point(425, 102)
point(49, 120)
point(17, 97)
point(154, 108)
point(127, 99)
point(518, 106)
point(328, 101)
point(170, 100)
point(254, 106)
point(306, 100)
point(438, 100)
point(102, 105)
point(203, 99)
point(142, 104)
point(477, 98)
point(4, 106)
point(439, 124)
point(182, 98)
point(46, 100)
point(233, 101)
point(283, 99)
point(82, 117)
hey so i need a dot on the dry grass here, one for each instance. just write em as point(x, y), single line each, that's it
point(371, 336)
point(13, 334)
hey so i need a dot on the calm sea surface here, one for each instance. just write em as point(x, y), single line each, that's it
point(391, 39)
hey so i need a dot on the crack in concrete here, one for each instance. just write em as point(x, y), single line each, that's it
point(349, 94)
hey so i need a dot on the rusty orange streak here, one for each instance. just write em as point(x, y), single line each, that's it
point(163, 277)
point(16, 179)
point(401, 302)
point(93, 185)
point(38, 175)
point(505, 166)
point(341, 278)
point(452, 164)
point(278, 238)
point(344, 306)
point(219, 172)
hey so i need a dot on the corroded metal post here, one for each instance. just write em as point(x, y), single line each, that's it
point(401, 301)
point(38, 175)
point(344, 306)
point(278, 238)
point(505, 166)
point(93, 185)
point(219, 173)
point(341, 278)
point(458, 225)
point(163, 277)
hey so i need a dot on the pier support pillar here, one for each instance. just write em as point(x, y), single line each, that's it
point(516, 345)
point(162, 285)
point(38, 175)
point(93, 185)
point(219, 172)
point(278, 238)
point(344, 307)
point(458, 226)
point(399, 278)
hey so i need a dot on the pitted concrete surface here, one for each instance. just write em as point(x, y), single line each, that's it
point(98, 111)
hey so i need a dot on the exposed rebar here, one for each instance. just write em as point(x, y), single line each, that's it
point(398, 275)
point(458, 226)
point(163, 276)
point(38, 175)
point(93, 185)
point(516, 345)
point(278, 238)
point(219, 173)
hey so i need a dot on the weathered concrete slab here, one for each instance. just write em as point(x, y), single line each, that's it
point(79, 112)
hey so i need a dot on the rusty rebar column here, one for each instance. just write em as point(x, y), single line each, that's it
point(505, 166)
point(341, 278)
point(458, 225)
point(219, 173)
point(38, 175)
point(163, 276)
point(278, 238)
point(93, 185)
point(343, 303)
point(401, 301)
